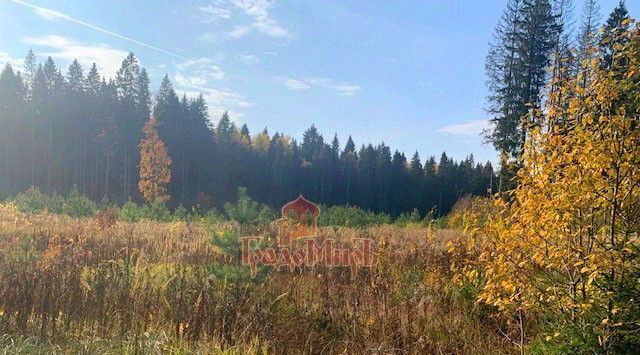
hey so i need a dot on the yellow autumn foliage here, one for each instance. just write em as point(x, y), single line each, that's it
point(155, 164)
point(566, 242)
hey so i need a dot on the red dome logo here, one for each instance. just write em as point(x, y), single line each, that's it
point(299, 220)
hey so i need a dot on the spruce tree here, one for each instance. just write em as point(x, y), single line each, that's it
point(612, 35)
point(517, 69)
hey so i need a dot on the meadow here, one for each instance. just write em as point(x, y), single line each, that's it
point(101, 284)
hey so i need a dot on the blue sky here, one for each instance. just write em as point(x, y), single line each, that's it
point(407, 73)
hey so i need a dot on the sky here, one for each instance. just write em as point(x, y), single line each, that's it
point(406, 73)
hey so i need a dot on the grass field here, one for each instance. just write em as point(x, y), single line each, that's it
point(80, 285)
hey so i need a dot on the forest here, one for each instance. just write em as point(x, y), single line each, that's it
point(81, 130)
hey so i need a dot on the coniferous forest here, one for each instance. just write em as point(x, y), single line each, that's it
point(73, 128)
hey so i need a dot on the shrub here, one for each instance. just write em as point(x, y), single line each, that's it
point(180, 213)
point(564, 247)
point(211, 218)
point(408, 218)
point(34, 201)
point(481, 208)
point(157, 211)
point(131, 212)
point(78, 205)
point(248, 212)
point(349, 216)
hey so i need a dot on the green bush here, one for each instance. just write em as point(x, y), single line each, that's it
point(157, 211)
point(248, 212)
point(348, 216)
point(34, 201)
point(181, 213)
point(75, 204)
point(131, 212)
point(78, 205)
point(211, 218)
point(405, 218)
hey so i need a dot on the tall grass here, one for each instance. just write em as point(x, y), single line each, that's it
point(151, 287)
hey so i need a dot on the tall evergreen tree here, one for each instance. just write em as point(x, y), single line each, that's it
point(612, 35)
point(588, 36)
point(133, 111)
point(11, 129)
point(506, 104)
point(517, 66)
point(75, 126)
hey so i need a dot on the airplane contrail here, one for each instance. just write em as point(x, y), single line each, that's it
point(55, 14)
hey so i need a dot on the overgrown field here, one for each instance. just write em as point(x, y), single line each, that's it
point(86, 285)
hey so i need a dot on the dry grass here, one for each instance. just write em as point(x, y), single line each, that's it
point(72, 284)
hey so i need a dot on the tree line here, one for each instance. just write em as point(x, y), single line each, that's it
point(533, 52)
point(83, 131)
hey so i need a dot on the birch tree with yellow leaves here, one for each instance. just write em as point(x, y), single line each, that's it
point(565, 248)
point(155, 172)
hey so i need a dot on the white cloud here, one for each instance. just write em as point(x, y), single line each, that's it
point(218, 101)
point(304, 84)
point(319, 81)
point(272, 28)
point(294, 84)
point(193, 78)
point(213, 13)
point(248, 58)
point(202, 68)
point(347, 90)
point(6, 58)
point(256, 10)
point(190, 80)
point(470, 128)
point(52, 15)
point(210, 37)
point(106, 58)
point(239, 31)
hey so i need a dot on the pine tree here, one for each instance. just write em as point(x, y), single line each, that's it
point(155, 164)
point(612, 35)
point(224, 131)
point(133, 111)
point(416, 175)
point(75, 123)
point(516, 67)
point(11, 128)
point(348, 164)
point(30, 67)
point(562, 56)
point(588, 38)
point(538, 35)
point(506, 105)
point(173, 127)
